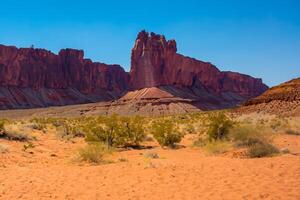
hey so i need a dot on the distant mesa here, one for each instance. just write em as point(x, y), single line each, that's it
point(159, 76)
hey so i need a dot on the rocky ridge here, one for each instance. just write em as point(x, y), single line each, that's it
point(158, 77)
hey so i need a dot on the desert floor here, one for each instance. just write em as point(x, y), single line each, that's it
point(50, 171)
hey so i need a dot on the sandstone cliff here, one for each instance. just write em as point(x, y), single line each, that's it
point(36, 78)
point(159, 77)
point(154, 62)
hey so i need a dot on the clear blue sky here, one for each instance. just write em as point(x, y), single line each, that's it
point(256, 37)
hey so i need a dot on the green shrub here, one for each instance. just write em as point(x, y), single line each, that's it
point(262, 149)
point(166, 134)
point(219, 126)
point(133, 130)
point(108, 131)
point(29, 145)
point(189, 129)
point(115, 131)
point(247, 135)
point(93, 152)
point(217, 146)
point(72, 128)
point(200, 142)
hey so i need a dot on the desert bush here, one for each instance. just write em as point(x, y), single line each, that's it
point(262, 149)
point(115, 131)
point(108, 131)
point(247, 135)
point(93, 152)
point(133, 130)
point(16, 132)
point(2, 122)
point(219, 126)
point(278, 123)
point(29, 145)
point(217, 146)
point(200, 142)
point(166, 133)
point(292, 132)
point(68, 128)
point(72, 128)
point(38, 124)
point(189, 129)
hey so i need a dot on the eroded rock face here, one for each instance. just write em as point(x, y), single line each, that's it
point(285, 92)
point(282, 100)
point(39, 78)
point(154, 62)
point(28, 75)
point(39, 68)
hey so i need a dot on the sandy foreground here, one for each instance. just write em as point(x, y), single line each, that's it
point(50, 171)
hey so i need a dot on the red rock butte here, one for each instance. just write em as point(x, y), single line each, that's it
point(154, 62)
point(39, 78)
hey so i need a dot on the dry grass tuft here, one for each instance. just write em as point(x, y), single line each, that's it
point(94, 153)
point(263, 149)
point(218, 147)
point(17, 131)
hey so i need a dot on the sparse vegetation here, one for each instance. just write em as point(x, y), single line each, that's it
point(108, 131)
point(94, 152)
point(71, 129)
point(219, 126)
point(16, 132)
point(262, 149)
point(217, 146)
point(166, 134)
point(247, 135)
point(29, 145)
point(134, 131)
point(200, 142)
point(2, 122)
point(38, 124)
point(217, 132)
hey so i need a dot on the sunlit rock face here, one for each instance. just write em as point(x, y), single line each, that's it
point(32, 77)
point(155, 62)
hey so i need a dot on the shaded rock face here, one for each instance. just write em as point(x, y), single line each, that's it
point(39, 68)
point(36, 78)
point(154, 62)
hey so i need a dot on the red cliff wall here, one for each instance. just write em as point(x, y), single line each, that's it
point(39, 68)
point(154, 62)
point(38, 78)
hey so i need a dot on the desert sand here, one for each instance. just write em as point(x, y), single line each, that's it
point(50, 171)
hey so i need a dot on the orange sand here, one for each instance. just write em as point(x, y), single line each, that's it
point(48, 172)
